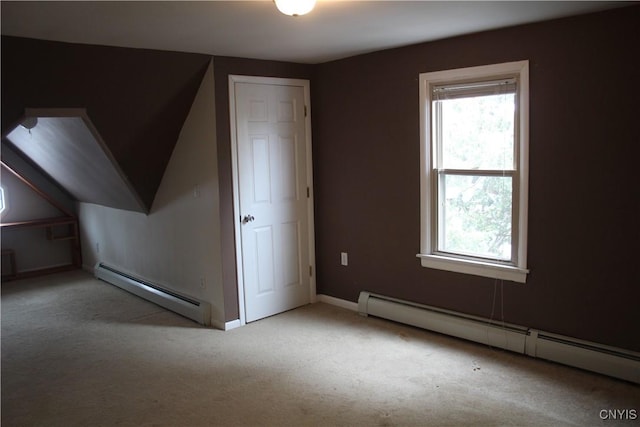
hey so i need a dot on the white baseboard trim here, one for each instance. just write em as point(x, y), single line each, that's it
point(349, 305)
point(226, 326)
point(232, 324)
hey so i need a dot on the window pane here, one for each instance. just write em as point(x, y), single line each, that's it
point(478, 132)
point(475, 214)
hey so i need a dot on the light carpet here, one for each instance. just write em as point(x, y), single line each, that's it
point(79, 352)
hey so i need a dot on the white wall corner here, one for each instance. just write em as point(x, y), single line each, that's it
point(177, 245)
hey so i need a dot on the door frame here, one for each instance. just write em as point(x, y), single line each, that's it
point(276, 81)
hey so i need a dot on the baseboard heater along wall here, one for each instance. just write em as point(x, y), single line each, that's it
point(586, 355)
point(199, 311)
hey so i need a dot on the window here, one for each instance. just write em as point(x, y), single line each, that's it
point(474, 168)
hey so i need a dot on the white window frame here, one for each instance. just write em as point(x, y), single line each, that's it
point(514, 271)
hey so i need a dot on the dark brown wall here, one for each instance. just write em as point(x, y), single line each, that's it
point(137, 99)
point(223, 67)
point(583, 210)
point(583, 205)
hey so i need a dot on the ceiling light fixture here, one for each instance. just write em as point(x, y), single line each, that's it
point(295, 7)
point(29, 123)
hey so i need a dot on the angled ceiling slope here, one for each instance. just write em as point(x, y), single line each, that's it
point(137, 99)
point(65, 144)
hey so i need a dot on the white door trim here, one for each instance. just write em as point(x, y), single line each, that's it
point(233, 79)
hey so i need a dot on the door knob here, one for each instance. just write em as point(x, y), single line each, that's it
point(247, 218)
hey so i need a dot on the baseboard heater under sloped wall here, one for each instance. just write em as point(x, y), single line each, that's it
point(586, 355)
point(199, 311)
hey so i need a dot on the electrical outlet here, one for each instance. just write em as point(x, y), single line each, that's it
point(202, 283)
point(344, 258)
point(196, 191)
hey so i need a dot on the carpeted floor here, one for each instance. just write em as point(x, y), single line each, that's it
point(79, 352)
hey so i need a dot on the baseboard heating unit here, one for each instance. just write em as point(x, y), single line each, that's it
point(199, 311)
point(586, 355)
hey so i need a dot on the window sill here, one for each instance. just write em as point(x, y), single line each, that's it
point(477, 268)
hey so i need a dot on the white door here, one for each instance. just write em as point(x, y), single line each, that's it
point(273, 197)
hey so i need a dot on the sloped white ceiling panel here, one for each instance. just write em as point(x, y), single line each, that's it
point(65, 144)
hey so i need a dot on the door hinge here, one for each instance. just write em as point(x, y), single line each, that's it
point(305, 111)
point(308, 192)
point(310, 271)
